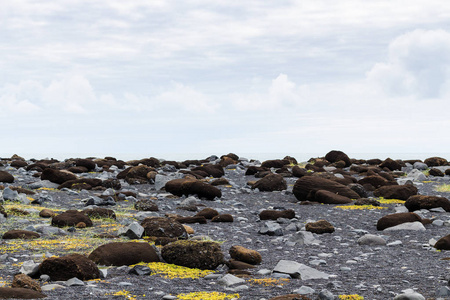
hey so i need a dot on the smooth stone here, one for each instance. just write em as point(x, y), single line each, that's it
point(9, 194)
point(74, 282)
point(298, 270)
point(29, 268)
point(169, 297)
point(212, 276)
point(400, 209)
point(326, 295)
point(415, 226)
point(52, 286)
point(409, 296)
point(371, 240)
point(395, 243)
point(443, 291)
point(304, 290)
point(301, 238)
point(438, 210)
point(438, 223)
point(264, 272)
point(229, 280)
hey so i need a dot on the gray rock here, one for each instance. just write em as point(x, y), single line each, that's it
point(443, 291)
point(298, 270)
point(371, 240)
point(271, 228)
point(50, 287)
point(304, 290)
point(43, 184)
point(74, 282)
point(401, 209)
point(414, 226)
point(140, 270)
point(9, 194)
point(395, 243)
point(409, 296)
point(50, 230)
point(326, 295)
point(229, 280)
point(145, 214)
point(134, 231)
point(44, 278)
point(169, 297)
point(301, 238)
point(437, 210)
point(29, 268)
point(420, 166)
point(438, 223)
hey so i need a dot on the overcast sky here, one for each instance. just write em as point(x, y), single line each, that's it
point(145, 78)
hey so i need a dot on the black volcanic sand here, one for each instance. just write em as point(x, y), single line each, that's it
point(380, 272)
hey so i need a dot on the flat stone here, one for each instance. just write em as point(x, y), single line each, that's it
point(298, 270)
point(371, 240)
point(229, 280)
point(271, 228)
point(74, 282)
point(50, 287)
point(304, 290)
point(443, 291)
point(415, 226)
point(301, 238)
point(409, 296)
point(29, 268)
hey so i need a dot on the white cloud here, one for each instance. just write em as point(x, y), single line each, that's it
point(418, 65)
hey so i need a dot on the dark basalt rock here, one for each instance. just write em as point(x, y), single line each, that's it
point(57, 176)
point(436, 161)
point(69, 266)
point(20, 234)
point(269, 214)
point(19, 293)
point(402, 192)
point(71, 218)
point(320, 227)
point(163, 227)
point(418, 202)
point(336, 156)
point(6, 177)
point(391, 164)
point(270, 183)
point(397, 219)
point(124, 254)
point(306, 187)
point(275, 163)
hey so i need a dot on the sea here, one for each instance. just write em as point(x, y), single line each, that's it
point(300, 157)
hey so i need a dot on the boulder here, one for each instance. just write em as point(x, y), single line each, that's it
point(215, 171)
point(270, 183)
point(436, 172)
point(436, 161)
point(86, 163)
point(47, 213)
point(443, 243)
point(71, 218)
point(191, 220)
point(82, 183)
point(306, 187)
point(418, 202)
point(19, 293)
point(124, 254)
point(290, 297)
point(188, 186)
point(391, 164)
point(269, 214)
point(139, 174)
point(208, 213)
point(6, 177)
point(243, 254)
point(203, 255)
point(100, 212)
point(299, 172)
point(319, 227)
point(57, 176)
point(20, 234)
point(69, 266)
point(327, 197)
point(397, 219)
point(146, 205)
point(336, 155)
point(223, 218)
point(163, 227)
point(376, 181)
point(275, 163)
point(402, 192)
point(26, 282)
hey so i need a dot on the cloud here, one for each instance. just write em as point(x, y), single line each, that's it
point(418, 65)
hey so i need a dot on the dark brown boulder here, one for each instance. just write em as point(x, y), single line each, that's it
point(269, 214)
point(208, 213)
point(188, 186)
point(71, 218)
point(19, 293)
point(215, 171)
point(146, 205)
point(112, 183)
point(26, 282)
point(275, 163)
point(233, 264)
point(18, 164)
point(447, 172)
point(6, 177)
point(270, 183)
point(203, 255)
point(418, 202)
point(436, 172)
point(69, 266)
point(77, 170)
point(252, 170)
point(138, 174)
point(226, 161)
point(47, 213)
point(397, 219)
point(335, 156)
point(443, 243)
point(319, 227)
point(436, 161)
point(86, 163)
point(192, 220)
point(402, 192)
point(20, 234)
point(220, 181)
point(299, 172)
point(375, 181)
point(57, 176)
point(223, 218)
point(327, 197)
point(374, 161)
point(81, 183)
point(391, 164)
point(243, 254)
point(100, 212)
point(306, 187)
point(231, 155)
point(124, 254)
point(163, 227)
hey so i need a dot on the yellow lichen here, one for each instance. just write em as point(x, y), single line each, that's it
point(443, 188)
point(390, 201)
point(269, 281)
point(207, 296)
point(351, 297)
point(171, 271)
point(360, 207)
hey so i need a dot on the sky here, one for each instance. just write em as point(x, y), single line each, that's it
point(174, 78)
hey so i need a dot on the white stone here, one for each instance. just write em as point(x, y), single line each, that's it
point(298, 270)
point(415, 226)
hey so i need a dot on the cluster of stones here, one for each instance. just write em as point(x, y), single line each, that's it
point(333, 179)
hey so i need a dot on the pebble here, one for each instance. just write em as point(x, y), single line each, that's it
point(52, 286)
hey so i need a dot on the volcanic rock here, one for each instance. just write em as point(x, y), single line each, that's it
point(270, 183)
point(69, 266)
point(418, 202)
point(319, 227)
point(246, 255)
point(396, 219)
point(124, 253)
point(306, 187)
point(402, 192)
point(163, 227)
point(71, 218)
